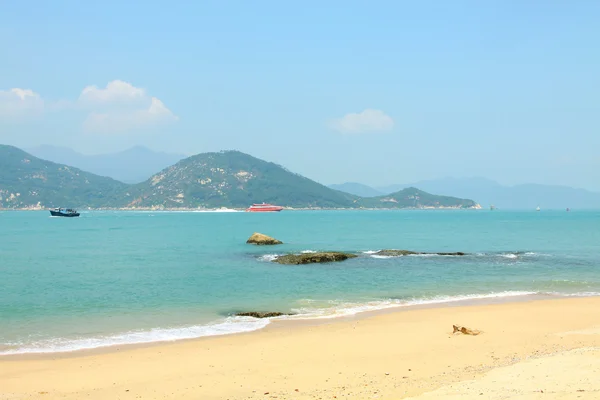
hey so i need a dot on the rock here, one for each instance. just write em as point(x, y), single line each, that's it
point(399, 253)
point(464, 330)
point(260, 239)
point(395, 253)
point(261, 314)
point(310, 258)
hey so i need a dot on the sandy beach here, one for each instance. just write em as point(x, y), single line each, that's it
point(547, 349)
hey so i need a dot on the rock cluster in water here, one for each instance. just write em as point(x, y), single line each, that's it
point(310, 258)
point(398, 253)
point(261, 314)
point(260, 239)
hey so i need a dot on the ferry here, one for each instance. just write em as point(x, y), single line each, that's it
point(64, 212)
point(264, 207)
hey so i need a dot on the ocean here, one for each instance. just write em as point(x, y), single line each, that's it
point(117, 277)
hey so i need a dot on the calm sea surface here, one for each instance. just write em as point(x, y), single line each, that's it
point(110, 278)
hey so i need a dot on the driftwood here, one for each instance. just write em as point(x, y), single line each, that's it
point(464, 330)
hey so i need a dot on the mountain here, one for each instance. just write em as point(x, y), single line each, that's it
point(525, 196)
point(232, 179)
point(208, 180)
point(414, 198)
point(131, 166)
point(235, 179)
point(27, 181)
point(357, 189)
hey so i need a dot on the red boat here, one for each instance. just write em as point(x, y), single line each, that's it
point(264, 207)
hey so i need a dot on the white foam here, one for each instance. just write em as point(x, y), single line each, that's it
point(232, 325)
point(341, 308)
point(268, 257)
point(308, 251)
point(509, 255)
point(534, 254)
point(570, 281)
point(373, 254)
point(578, 294)
point(229, 326)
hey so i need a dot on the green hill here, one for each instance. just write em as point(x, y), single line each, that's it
point(232, 179)
point(27, 181)
point(208, 180)
point(415, 198)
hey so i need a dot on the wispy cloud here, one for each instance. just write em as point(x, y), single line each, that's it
point(115, 91)
point(17, 103)
point(119, 121)
point(120, 107)
point(367, 121)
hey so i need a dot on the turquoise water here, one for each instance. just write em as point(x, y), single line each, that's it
point(111, 278)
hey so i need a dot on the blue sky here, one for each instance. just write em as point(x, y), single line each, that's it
point(378, 92)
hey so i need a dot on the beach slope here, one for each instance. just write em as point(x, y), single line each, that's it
point(524, 348)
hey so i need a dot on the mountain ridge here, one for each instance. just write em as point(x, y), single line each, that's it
point(207, 180)
point(488, 192)
point(200, 180)
point(359, 189)
point(29, 182)
point(132, 165)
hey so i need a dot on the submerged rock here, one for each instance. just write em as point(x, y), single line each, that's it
point(260, 239)
point(394, 253)
point(398, 253)
point(310, 258)
point(261, 314)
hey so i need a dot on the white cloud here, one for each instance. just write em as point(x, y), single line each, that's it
point(119, 107)
point(122, 108)
point(115, 91)
point(128, 120)
point(18, 102)
point(368, 121)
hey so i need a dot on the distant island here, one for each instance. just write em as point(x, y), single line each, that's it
point(488, 192)
point(229, 179)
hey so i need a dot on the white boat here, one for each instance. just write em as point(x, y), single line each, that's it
point(538, 208)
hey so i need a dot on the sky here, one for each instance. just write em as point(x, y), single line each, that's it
point(378, 92)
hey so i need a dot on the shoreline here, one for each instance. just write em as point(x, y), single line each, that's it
point(299, 320)
point(233, 209)
point(389, 355)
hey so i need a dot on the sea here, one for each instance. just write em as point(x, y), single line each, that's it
point(113, 278)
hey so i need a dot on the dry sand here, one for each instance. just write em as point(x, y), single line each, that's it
point(529, 350)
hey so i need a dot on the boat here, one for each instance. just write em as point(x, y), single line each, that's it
point(264, 207)
point(64, 212)
point(538, 208)
point(492, 207)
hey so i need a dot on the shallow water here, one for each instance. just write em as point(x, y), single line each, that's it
point(113, 277)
